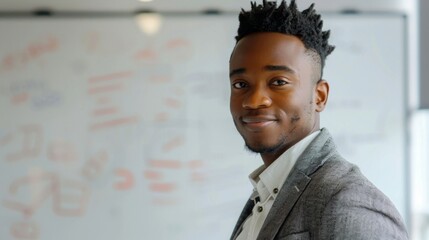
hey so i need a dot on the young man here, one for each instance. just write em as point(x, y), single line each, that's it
point(305, 189)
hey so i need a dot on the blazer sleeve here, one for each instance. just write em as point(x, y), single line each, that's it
point(358, 210)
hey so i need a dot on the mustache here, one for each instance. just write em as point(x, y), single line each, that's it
point(258, 112)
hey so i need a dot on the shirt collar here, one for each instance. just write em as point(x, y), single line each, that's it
point(273, 176)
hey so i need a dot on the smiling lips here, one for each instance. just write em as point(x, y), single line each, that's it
point(256, 123)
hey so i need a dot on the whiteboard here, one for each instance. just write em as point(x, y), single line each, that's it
point(107, 133)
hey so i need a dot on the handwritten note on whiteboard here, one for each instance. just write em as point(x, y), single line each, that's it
point(106, 133)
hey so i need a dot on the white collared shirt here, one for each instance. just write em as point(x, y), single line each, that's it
point(267, 182)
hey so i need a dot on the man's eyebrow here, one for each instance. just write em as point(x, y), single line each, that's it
point(237, 71)
point(279, 68)
point(268, 68)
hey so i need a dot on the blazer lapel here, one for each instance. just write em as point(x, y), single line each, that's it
point(311, 159)
point(288, 195)
point(247, 210)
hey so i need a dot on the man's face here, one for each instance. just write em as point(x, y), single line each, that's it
point(274, 97)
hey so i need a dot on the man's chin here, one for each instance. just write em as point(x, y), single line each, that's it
point(261, 149)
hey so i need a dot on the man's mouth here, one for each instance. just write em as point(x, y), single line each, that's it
point(257, 123)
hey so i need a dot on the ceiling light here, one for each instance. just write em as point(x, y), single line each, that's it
point(149, 23)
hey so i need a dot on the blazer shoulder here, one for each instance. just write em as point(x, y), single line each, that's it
point(343, 183)
point(354, 207)
point(337, 173)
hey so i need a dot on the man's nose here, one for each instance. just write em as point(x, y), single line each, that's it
point(257, 98)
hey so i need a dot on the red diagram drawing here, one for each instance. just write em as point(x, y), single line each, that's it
point(27, 143)
point(106, 113)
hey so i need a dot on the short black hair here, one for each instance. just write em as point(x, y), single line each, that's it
point(306, 25)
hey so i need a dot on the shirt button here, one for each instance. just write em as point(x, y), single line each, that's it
point(276, 190)
point(260, 209)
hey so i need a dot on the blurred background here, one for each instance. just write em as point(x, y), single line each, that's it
point(115, 123)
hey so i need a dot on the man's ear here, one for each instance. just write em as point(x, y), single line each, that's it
point(321, 95)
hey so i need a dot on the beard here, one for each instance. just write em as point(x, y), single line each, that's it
point(262, 149)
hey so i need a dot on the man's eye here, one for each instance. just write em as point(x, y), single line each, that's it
point(279, 82)
point(239, 85)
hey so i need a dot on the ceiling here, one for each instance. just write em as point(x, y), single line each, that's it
point(196, 5)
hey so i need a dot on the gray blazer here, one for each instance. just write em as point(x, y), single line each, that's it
point(326, 197)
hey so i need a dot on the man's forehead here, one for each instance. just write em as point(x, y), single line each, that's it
point(272, 48)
